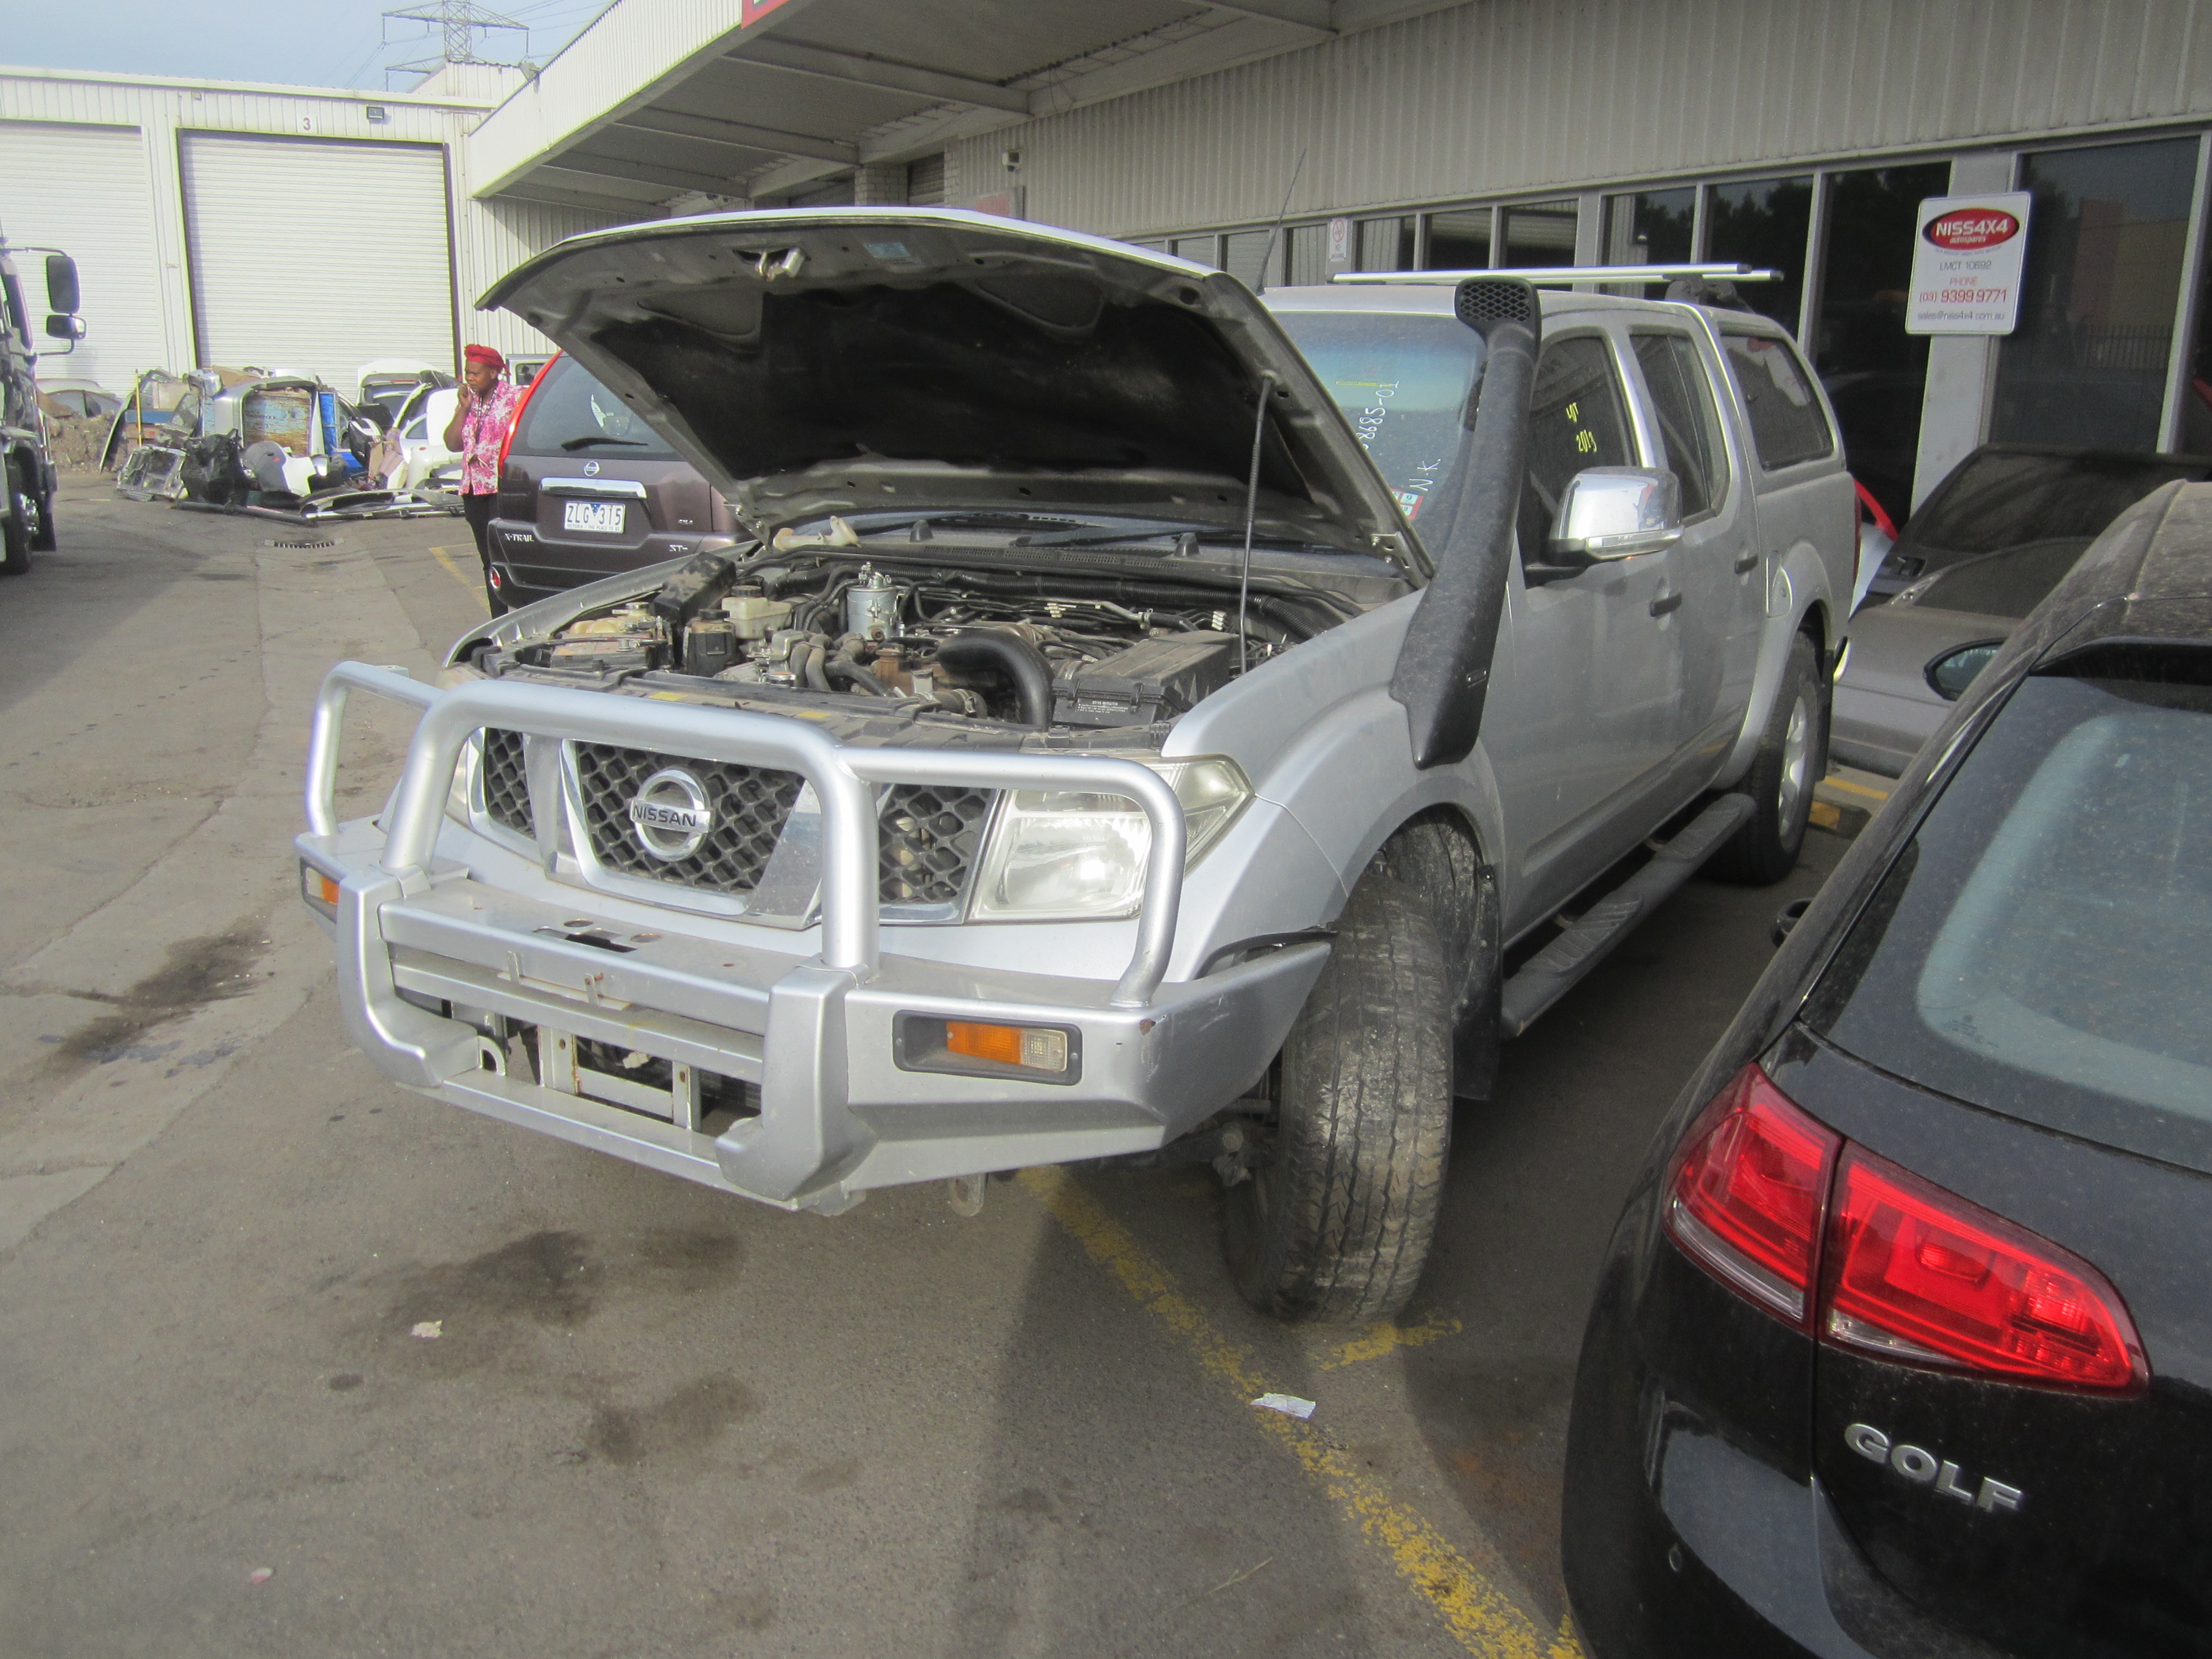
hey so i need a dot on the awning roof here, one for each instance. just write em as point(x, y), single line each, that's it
point(660, 99)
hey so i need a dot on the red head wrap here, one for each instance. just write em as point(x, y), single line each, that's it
point(484, 353)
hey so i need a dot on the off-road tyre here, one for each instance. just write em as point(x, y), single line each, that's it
point(1335, 1223)
point(1792, 758)
point(19, 533)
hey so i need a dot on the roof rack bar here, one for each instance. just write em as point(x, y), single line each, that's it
point(1545, 275)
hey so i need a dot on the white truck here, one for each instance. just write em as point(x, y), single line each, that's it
point(1139, 716)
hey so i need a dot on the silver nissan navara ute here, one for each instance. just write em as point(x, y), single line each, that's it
point(1137, 718)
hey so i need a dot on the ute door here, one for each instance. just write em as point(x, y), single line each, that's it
point(1592, 666)
point(1717, 564)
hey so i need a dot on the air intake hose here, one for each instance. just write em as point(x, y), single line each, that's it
point(1012, 656)
point(1442, 674)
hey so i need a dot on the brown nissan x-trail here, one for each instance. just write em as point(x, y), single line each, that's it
point(587, 489)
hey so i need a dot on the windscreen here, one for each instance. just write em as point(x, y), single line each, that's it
point(570, 413)
point(1402, 381)
point(2037, 949)
point(2007, 584)
point(2001, 500)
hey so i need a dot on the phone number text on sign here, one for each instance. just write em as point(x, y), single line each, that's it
point(1968, 252)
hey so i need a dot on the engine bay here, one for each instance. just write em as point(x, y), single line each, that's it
point(1030, 648)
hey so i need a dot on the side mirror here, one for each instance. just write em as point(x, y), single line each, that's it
point(1950, 674)
point(1616, 513)
point(62, 326)
point(61, 287)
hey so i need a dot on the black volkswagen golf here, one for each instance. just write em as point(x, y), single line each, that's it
point(1904, 1342)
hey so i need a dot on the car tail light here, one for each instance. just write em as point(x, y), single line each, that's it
point(1917, 1273)
point(1772, 1202)
point(1747, 1192)
point(507, 442)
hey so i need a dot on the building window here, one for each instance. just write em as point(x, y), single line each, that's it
point(1199, 250)
point(1386, 244)
point(2106, 234)
point(1875, 372)
point(1764, 223)
point(1460, 240)
point(1243, 255)
point(1650, 227)
point(1538, 233)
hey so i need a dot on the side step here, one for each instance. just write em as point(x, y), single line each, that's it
point(1553, 970)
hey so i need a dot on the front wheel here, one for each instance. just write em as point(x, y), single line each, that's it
point(1792, 758)
point(1335, 1223)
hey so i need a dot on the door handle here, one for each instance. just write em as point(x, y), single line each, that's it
point(1667, 602)
point(1748, 564)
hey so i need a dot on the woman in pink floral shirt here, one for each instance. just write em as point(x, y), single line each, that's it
point(486, 409)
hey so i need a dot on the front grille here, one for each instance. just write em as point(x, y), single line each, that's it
point(927, 841)
point(929, 834)
point(505, 784)
point(749, 804)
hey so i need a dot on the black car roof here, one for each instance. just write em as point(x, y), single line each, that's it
point(2148, 577)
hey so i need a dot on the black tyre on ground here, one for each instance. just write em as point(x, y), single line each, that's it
point(1336, 1224)
point(21, 530)
point(1793, 757)
point(44, 540)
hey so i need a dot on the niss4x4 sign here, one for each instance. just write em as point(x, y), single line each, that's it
point(1967, 255)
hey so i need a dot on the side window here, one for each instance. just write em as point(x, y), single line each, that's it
point(418, 431)
point(1688, 423)
point(1787, 424)
point(1576, 419)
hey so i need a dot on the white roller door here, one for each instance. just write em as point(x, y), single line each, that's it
point(85, 189)
point(314, 256)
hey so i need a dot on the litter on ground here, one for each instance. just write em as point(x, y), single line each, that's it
point(1289, 1404)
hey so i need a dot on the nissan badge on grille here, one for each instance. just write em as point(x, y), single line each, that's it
point(670, 815)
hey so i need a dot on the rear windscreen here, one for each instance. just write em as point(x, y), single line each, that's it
point(1402, 381)
point(2007, 584)
point(570, 413)
point(1999, 500)
point(2038, 947)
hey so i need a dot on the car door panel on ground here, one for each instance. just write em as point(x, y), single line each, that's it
point(1572, 763)
point(589, 490)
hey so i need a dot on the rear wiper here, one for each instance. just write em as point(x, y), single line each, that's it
point(587, 442)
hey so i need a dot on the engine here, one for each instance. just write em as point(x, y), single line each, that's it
point(1031, 648)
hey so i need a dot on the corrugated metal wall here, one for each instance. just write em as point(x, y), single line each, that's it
point(487, 238)
point(1507, 95)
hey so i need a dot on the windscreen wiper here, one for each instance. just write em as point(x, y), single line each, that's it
point(1088, 537)
point(594, 439)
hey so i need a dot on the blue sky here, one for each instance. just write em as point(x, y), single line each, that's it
point(322, 43)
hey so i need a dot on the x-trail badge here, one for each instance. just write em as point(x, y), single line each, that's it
point(670, 816)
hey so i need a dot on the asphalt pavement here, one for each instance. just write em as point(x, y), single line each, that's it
point(295, 1362)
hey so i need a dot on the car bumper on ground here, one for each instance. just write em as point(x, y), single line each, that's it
point(640, 1031)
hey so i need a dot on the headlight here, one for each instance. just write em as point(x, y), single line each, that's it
point(1073, 855)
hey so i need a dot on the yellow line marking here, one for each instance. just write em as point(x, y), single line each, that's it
point(1832, 783)
point(1480, 1615)
point(1380, 1339)
point(473, 584)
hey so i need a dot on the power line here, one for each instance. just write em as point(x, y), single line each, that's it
point(456, 23)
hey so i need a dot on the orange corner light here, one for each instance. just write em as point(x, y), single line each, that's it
point(1038, 1049)
point(318, 889)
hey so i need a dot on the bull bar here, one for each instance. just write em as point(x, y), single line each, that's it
point(814, 1033)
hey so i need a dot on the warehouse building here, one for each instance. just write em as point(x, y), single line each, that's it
point(1800, 134)
point(282, 228)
